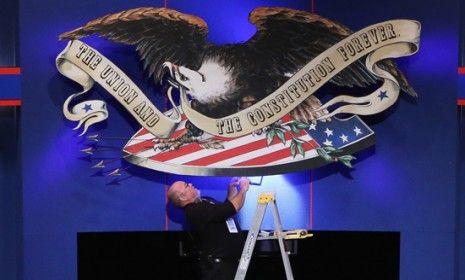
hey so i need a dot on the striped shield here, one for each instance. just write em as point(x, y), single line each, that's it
point(252, 154)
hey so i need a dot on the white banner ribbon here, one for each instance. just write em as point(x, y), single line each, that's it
point(84, 65)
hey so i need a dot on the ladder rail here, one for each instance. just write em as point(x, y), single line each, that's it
point(279, 230)
point(249, 246)
point(247, 252)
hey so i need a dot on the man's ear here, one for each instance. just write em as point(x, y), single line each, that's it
point(182, 200)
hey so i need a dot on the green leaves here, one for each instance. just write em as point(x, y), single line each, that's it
point(270, 134)
point(297, 126)
point(345, 159)
point(331, 149)
point(281, 137)
point(296, 147)
point(293, 149)
point(327, 154)
point(275, 132)
point(324, 154)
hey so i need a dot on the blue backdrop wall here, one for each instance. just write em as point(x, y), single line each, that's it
point(10, 175)
point(10, 195)
point(408, 184)
point(405, 183)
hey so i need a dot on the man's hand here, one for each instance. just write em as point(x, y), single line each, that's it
point(237, 198)
point(232, 188)
point(244, 184)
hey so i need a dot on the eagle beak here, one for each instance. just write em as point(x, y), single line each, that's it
point(170, 69)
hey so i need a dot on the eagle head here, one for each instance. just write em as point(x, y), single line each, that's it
point(211, 83)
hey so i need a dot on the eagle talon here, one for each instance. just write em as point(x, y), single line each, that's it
point(260, 131)
point(276, 124)
point(212, 144)
point(172, 143)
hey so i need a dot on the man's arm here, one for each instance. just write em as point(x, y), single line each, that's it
point(237, 198)
point(232, 188)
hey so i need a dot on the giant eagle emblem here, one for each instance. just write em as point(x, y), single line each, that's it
point(222, 80)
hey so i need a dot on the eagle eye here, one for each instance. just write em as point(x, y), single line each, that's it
point(183, 78)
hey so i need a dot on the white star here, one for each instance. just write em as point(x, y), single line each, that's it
point(357, 131)
point(328, 132)
point(328, 143)
point(344, 138)
point(312, 126)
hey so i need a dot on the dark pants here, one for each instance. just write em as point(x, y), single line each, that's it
point(218, 269)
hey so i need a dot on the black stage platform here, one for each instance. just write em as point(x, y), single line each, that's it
point(168, 255)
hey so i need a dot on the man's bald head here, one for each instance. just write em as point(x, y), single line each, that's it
point(181, 193)
point(175, 191)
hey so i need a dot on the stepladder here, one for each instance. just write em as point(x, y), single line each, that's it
point(255, 233)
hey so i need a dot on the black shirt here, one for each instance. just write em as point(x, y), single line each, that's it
point(207, 219)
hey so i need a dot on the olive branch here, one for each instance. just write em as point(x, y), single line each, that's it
point(277, 130)
point(328, 153)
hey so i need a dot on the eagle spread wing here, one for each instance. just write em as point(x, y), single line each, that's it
point(160, 35)
point(288, 39)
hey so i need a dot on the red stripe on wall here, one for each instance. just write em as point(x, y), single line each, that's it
point(310, 184)
point(10, 102)
point(461, 102)
point(461, 70)
point(10, 70)
point(166, 207)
